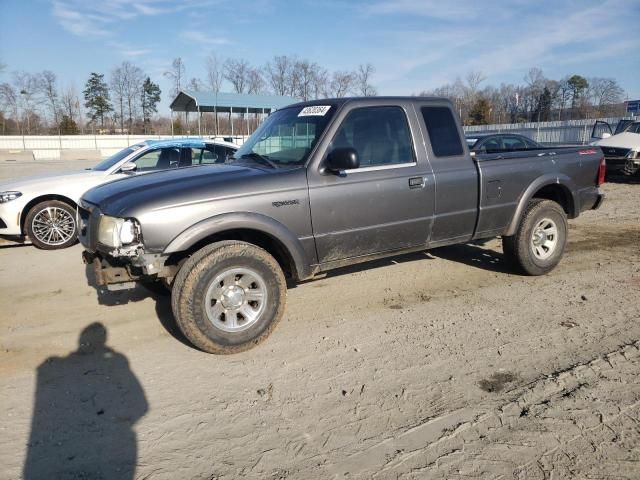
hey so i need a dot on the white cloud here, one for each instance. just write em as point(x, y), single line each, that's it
point(450, 10)
point(92, 17)
point(548, 37)
point(196, 36)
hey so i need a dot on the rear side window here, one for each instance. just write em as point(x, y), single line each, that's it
point(215, 154)
point(443, 132)
point(514, 143)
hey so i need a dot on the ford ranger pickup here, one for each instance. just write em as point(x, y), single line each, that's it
point(321, 185)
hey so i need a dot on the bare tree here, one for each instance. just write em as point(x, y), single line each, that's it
point(474, 79)
point(341, 83)
point(28, 89)
point(71, 103)
point(604, 92)
point(126, 87)
point(321, 83)
point(536, 82)
point(255, 81)
point(195, 84)
point(176, 74)
point(304, 73)
point(278, 74)
point(8, 102)
point(363, 80)
point(48, 87)
point(215, 74)
point(236, 72)
point(134, 77)
point(118, 86)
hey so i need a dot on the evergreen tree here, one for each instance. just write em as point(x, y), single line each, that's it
point(150, 99)
point(177, 127)
point(542, 112)
point(68, 126)
point(96, 95)
point(577, 84)
point(480, 113)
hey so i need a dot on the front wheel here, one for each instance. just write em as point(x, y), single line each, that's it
point(538, 244)
point(228, 297)
point(51, 225)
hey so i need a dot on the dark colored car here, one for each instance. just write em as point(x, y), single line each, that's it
point(322, 185)
point(499, 142)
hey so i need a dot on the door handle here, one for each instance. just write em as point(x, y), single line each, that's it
point(416, 182)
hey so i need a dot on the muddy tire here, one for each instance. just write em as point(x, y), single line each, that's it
point(228, 297)
point(51, 225)
point(539, 242)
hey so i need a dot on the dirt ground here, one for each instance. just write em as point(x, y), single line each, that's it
point(443, 364)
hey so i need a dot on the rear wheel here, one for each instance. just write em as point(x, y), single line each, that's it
point(538, 244)
point(51, 225)
point(228, 297)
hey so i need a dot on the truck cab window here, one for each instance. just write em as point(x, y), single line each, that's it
point(380, 136)
point(443, 133)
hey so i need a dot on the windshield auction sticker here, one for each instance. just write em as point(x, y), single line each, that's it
point(314, 111)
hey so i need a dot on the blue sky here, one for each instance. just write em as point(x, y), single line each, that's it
point(413, 44)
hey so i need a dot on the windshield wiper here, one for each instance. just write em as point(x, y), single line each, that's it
point(262, 158)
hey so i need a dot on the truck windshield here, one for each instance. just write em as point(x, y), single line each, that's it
point(287, 136)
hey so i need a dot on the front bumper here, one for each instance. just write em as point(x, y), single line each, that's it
point(118, 273)
point(10, 218)
point(615, 164)
point(632, 166)
point(108, 272)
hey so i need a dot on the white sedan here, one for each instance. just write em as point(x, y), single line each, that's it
point(44, 208)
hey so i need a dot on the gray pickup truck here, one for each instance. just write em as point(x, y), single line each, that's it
point(322, 185)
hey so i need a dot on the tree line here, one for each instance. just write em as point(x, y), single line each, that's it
point(126, 99)
point(35, 103)
point(538, 99)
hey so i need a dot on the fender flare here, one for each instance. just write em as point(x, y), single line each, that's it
point(244, 221)
point(540, 182)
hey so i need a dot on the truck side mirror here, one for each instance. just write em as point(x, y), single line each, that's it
point(606, 135)
point(128, 167)
point(343, 159)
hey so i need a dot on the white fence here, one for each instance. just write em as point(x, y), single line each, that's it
point(49, 147)
point(558, 132)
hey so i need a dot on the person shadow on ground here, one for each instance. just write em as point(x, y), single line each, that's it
point(86, 405)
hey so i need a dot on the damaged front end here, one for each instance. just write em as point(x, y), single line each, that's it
point(122, 271)
point(115, 249)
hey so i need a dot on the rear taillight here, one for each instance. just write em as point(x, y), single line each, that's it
point(602, 169)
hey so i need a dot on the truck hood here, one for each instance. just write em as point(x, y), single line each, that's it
point(622, 140)
point(50, 180)
point(160, 190)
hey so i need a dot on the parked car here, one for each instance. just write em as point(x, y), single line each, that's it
point(321, 185)
point(622, 149)
point(44, 208)
point(499, 142)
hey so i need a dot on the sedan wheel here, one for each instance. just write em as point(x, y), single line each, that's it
point(51, 225)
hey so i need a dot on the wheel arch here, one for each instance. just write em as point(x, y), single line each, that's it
point(43, 198)
point(558, 188)
point(256, 229)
